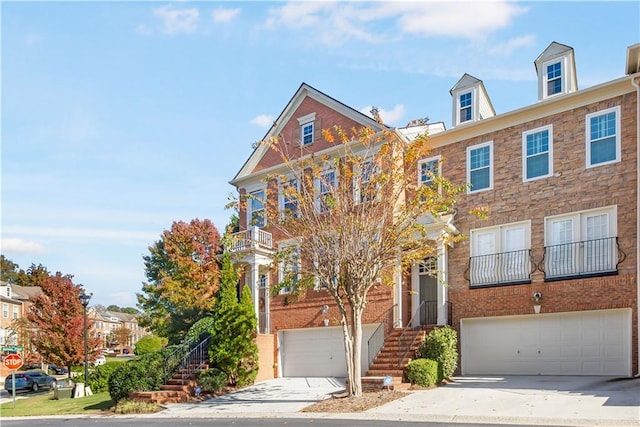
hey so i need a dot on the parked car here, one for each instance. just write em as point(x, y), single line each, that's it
point(100, 360)
point(58, 370)
point(30, 380)
point(30, 366)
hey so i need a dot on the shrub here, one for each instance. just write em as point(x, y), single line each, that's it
point(149, 344)
point(211, 380)
point(441, 346)
point(99, 376)
point(143, 374)
point(423, 372)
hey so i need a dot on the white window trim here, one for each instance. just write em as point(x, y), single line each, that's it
point(249, 213)
point(303, 121)
point(285, 181)
point(549, 129)
point(613, 222)
point(472, 107)
point(438, 160)
point(545, 77)
point(316, 187)
point(475, 147)
point(499, 228)
point(281, 267)
point(587, 136)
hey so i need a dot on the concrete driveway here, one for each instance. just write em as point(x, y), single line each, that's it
point(538, 400)
point(533, 400)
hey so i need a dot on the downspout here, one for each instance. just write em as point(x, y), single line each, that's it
point(635, 81)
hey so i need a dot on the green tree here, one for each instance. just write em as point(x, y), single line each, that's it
point(182, 270)
point(360, 210)
point(128, 310)
point(234, 350)
point(149, 344)
point(8, 270)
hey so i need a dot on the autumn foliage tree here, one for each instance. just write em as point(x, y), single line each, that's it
point(120, 336)
point(57, 319)
point(358, 217)
point(182, 271)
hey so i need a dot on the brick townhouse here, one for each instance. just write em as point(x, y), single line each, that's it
point(547, 284)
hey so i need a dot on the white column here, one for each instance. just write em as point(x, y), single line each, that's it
point(442, 283)
point(255, 289)
point(397, 321)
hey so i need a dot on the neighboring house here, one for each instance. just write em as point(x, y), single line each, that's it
point(106, 322)
point(560, 178)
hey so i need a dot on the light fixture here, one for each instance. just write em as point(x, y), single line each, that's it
point(537, 296)
point(84, 300)
point(326, 322)
point(325, 308)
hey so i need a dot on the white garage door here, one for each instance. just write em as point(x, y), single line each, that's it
point(318, 352)
point(577, 343)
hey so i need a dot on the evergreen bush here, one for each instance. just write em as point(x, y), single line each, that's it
point(423, 372)
point(441, 345)
point(211, 380)
point(99, 376)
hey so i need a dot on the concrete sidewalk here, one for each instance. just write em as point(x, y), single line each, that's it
point(565, 401)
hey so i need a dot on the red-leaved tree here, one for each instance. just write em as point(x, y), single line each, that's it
point(57, 321)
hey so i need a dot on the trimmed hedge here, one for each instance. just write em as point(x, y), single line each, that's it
point(441, 346)
point(99, 376)
point(423, 372)
point(142, 374)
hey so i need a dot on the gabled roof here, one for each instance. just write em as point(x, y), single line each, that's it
point(285, 116)
point(553, 50)
point(467, 80)
point(633, 59)
point(26, 292)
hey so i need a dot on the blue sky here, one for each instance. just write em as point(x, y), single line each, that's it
point(119, 118)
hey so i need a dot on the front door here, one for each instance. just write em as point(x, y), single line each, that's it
point(428, 292)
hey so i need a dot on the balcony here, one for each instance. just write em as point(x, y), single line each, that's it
point(250, 240)
point(596, 257)
point(500, 269)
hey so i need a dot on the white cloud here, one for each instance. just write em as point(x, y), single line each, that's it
point(337, 22)
point(263, 120)
point(389, 117)
point(21, 246)
point(224, 15)
point(509, 46)
point(178, 20)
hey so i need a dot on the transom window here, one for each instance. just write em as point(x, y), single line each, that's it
point(256, 212)
point(465, 107)
point(554, 78)
point(480, 165)
point(603, 137)
point(537, 153)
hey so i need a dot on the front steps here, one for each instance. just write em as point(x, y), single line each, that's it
point(388, 362)
point(178, 389)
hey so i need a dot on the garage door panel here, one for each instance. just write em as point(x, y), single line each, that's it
point(577, 343)
point(318, 352)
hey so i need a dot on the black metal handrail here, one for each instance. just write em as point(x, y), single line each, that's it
point(408, 335)
point(500, 268)
point(589, 257)
point(429, 313)
point(195, 359)
point(379, 336)
point(172, 361)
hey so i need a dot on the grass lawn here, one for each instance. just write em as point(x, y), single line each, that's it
point(45, 405)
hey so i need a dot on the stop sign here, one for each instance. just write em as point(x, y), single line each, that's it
point(13, 361)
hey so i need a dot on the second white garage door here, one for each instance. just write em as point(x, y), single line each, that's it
point(318, 352)
point(577, 343)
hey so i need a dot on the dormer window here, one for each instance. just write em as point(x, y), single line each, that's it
point(466, 112)
point(554, 78)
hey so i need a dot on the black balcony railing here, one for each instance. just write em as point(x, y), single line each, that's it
point(502, 268)
point(587, 258)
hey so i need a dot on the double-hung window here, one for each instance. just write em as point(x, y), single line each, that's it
point(15, 311)
point(325, 185)
point(290, 266)
point(365, 185)
point(307, 133)
point(480, 167)
point(537, 153)
point(553, 78)
point(581, 243)
point(289, 191)
point(5, 311)
point(256, 211)
point(603, 137)
point(428, 170)
point(500, 255)
point(465, 107)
